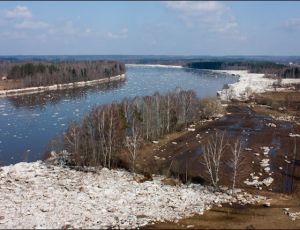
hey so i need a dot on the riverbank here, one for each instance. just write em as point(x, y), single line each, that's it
point(247, 84)
point(36, 195)
point(250, 83)
point(155, 65)
point(32, 90)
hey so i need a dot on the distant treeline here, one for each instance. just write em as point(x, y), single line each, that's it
point(108, 131)
point(31, 74)
point(265, 67)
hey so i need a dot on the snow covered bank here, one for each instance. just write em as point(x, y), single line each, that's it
point(36, 195)
point(288, 81)
point(31, 90)
point(150, 65)
point(248, 83)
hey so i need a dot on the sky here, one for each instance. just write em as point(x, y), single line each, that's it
point(150, 28)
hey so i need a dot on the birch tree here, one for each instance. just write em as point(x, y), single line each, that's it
point(212, 153)
point(132, 140)
point(236, 161)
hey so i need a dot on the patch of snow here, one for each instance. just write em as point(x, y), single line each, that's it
point(271, 125)
point(294, 135)
point(264, 163)
point(268, 181)
point(294, 215)
point(255, 182)
point(283, 118)
point(266, 150)
point(288, 81)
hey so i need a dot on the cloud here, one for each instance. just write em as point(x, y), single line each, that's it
point(70, 29)
point(211, 16)
point(196, 7)
point(18, 12)
point(292, 24)
point(21, 17)
point(13, 35)
point(31, 24)
point(123, 33)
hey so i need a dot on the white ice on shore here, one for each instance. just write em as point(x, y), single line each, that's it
point(248, 83)
point(32, 90)
point(288, 81)
point(36, 195)
point(154, 65)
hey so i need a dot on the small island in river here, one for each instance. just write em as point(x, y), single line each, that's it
point(32, 77)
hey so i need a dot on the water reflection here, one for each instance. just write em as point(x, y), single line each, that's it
point(40, 100)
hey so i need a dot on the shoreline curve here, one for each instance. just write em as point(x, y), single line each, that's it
point(41, 89)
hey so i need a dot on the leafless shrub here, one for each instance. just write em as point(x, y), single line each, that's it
point(211, 107)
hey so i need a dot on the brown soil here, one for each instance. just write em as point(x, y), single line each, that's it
point(183, 160)
point(258, 128)
point(242, 217)
point(279, 103)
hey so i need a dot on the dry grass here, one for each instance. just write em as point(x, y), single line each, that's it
point(279, 103)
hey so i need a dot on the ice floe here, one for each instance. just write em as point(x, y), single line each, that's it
point(36, 195)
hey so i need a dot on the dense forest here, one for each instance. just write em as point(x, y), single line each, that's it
point(265, 67)
point(108, 131)
point(32, 74)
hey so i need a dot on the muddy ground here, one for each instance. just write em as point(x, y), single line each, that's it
point(242, 217)
point(179, 155)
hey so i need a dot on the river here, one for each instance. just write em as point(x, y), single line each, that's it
point(29, 122)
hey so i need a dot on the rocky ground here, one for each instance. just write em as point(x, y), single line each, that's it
point(36, 195)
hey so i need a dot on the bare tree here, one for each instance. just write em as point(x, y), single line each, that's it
point(168, 112)
point(72, 137)
point(132, 141)
point(212, 154)
point(236, 161)
point(99, 138)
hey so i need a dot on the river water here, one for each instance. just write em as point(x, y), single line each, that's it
point(27, 123)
